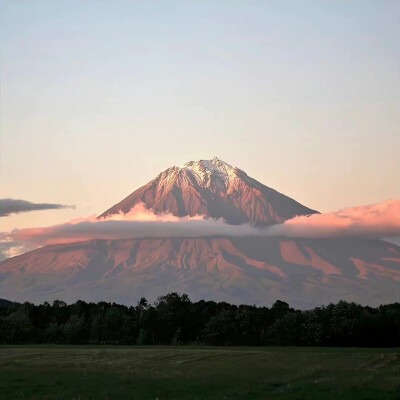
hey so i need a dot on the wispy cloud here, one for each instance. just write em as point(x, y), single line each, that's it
point(11, 206)
point(10, 248)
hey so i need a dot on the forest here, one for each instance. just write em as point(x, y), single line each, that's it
point(175, 320)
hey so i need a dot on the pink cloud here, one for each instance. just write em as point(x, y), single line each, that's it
point(140, 222)
point(371, 221)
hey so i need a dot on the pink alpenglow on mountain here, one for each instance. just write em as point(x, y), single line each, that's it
point(214, 189)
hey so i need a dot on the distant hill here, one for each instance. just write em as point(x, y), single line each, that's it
point(6, 303)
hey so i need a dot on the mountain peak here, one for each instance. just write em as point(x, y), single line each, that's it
point(213, 172)
point(212, 188)
point(213, 163)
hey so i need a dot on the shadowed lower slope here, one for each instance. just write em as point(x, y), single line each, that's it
point(303, 272)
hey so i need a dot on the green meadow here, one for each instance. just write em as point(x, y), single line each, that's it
point(96, 372)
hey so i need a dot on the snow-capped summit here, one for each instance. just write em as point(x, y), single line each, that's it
point(214, 165)
point(209, 172)
point(212, 188)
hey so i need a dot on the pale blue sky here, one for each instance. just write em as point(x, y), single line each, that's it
point(97, 97)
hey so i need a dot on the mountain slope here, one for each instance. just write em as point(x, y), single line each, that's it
point(214, 189)
point(303, 272)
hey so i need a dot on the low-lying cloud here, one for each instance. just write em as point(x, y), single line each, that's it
point(13, 206)
point(373, 221)
point(139, 223)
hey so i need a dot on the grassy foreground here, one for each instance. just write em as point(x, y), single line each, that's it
point(83, 372)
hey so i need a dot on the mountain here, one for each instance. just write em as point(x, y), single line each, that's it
point(214, 189)
point(303, 272)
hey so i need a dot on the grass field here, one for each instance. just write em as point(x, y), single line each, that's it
point(83, 372)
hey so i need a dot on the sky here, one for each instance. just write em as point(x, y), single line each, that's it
point(98, 97)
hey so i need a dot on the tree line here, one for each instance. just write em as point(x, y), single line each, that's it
point(174, 319)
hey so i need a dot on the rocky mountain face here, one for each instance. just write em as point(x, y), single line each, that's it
point(214, 189)
point(260, 270)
